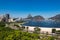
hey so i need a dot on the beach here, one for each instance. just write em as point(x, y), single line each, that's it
point(43, 29)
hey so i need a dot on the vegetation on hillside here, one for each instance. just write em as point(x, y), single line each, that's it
point(10, 34)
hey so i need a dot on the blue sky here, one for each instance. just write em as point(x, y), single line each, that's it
point(21, 8)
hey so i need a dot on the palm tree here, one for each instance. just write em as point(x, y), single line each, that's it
point(27, 28)
point(22, 28)
point(37, 30)
point(53, 32)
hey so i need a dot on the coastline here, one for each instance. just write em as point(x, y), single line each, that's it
point(43, 29)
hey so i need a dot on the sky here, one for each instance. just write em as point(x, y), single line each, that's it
point(21, 8)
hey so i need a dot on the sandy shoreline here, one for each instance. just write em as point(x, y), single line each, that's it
point(43, 29)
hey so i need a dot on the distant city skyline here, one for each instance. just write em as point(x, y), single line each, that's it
point(21, 8)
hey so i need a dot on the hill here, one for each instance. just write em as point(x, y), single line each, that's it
point(36, 18)
point(57, 17)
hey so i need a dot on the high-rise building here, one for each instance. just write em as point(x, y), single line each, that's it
point(6, 18)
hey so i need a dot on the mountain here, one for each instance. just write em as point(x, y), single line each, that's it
point(38, 18)
point(29, 16)
point(35, 18)
point(57, 17)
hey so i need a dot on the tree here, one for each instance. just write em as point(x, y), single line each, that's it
point(2, 24)
point(58, 31)
point(23, 28)
point(27, 28)
point(58, 34)
point(53, 30)
point(37, 30)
